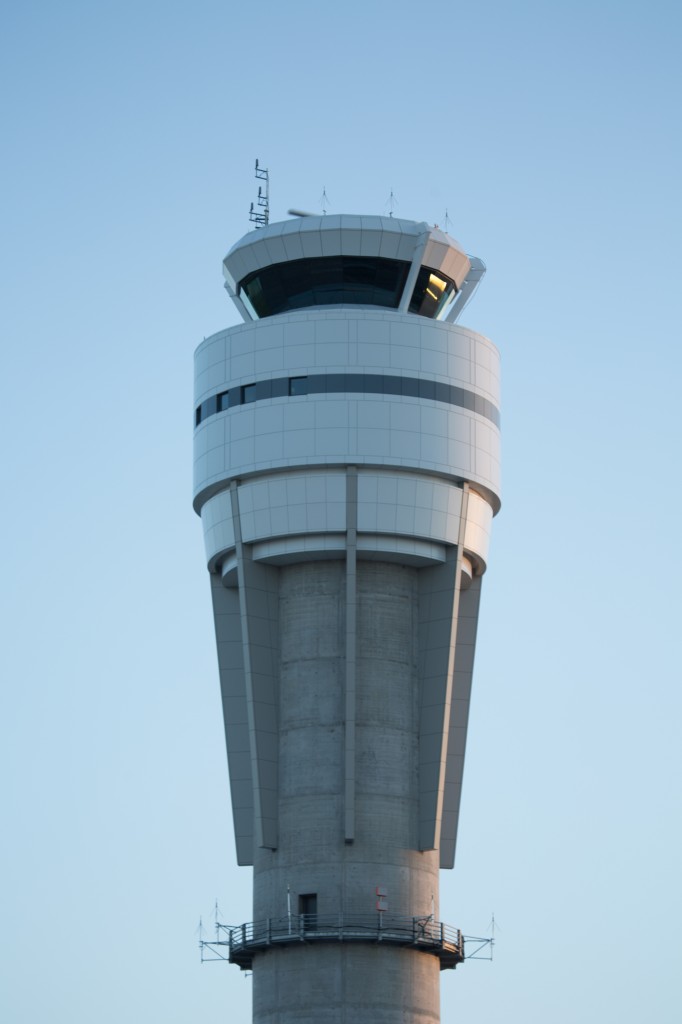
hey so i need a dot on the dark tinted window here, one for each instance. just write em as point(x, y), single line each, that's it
point(393, 386)
point(209, 407)
point(325, 281)
point(352, 383)
point(332, 382)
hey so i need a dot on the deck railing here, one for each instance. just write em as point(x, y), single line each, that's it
point(240, 943)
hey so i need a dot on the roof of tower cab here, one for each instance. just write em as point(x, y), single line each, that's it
point(343, 259)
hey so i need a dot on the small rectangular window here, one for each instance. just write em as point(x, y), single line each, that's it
point(355, 382)
point(298, 385)
point(263, 390)
point(469, 400)
point(209, 407)
point(442, 391)
point(248, 393)
point(333, 383)
point(393, 385)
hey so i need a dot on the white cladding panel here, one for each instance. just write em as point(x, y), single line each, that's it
point(357, 428)
point(354, 340)
point(306, 512)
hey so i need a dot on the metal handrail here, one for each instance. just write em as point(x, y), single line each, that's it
point(239, 943)
point(425, 928)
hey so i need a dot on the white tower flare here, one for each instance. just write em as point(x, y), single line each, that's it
point(346, 474)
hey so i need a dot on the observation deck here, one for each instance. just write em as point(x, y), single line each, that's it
point(241, 943)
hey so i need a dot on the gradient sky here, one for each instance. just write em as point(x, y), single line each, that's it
point(550, 132)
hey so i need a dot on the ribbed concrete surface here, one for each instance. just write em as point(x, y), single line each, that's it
point(358, 984)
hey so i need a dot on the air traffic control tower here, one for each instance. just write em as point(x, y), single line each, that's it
point(346, 474)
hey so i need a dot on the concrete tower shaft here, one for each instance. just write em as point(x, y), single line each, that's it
point(346, 474)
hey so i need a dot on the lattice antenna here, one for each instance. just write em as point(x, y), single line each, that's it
point(324, 201)
point(259, 212)
point(391, 203)
point(447, 223)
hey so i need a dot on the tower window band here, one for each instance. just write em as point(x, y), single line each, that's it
point(348, 383)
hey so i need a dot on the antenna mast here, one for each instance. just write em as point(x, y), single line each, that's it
point(259, 213)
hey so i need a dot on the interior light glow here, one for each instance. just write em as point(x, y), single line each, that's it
point(437, 282)
point(432, 294)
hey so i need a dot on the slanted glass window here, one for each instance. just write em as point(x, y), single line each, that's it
point(432, 293)
point(325, 281)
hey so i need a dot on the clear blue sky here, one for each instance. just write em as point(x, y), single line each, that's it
point(550, 133)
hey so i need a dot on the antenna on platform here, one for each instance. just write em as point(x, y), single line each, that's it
point(324, 201)
point(259, 212)
point(447, 223)
point(391, 203)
